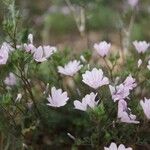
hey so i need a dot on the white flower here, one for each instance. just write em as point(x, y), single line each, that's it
point(83, 59)
point(95, 78)
point(113, 146)
point(102, 48)
point(71, 68)
point(42, 53)
point(146, 107)
point(10, 80)
point(133, 3)
point(19, 96)
point(139, 63)
point(4, 54)
point(148, 66)
point(57, 98)
point(124, 113)
point(30, 38)
point(141, 46)
point(87, 101)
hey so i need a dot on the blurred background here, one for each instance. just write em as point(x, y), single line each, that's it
point(78, 24)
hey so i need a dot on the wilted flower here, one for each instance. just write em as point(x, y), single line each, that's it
point(146, 107)
point(130, 82)
point(10, 80)
point(29, 48)
point(124, 113)
point(102, 48)
point(113, 146)
point(119, 92)
point(141, 46)
point(148, 66)
point(95, 78)
point(3, 55)
point(139, 63)
point(71, 68)
point(83, 59)
point(133, 3)
point(122, 91)
point(19, 96)
point(42, 53)
point(57, 98)
point(87, 101)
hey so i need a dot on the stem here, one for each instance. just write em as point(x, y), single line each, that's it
point(109, 68)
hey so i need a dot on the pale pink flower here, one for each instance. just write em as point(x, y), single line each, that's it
point(130, 82)
point(139, 63)
point(29, 48)
point(119, 92)
point(6, 46)
point(113, 146)
point(146, 107)
point(141, 46)
point(124, 113)
point(87, 101)
point(42, 53)
point(57, 98)
point(122, 91)
point(10, 80)
point(3, 55)
point(95, 78)
point(102, 48)
point(71, 68)
point(148, 66)
point(133, 3)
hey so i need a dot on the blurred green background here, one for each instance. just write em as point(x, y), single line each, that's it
point(53, 22)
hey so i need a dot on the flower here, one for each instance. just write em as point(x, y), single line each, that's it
point(139, 63)
point(71, 68)
point(141, 46)
point(124, 113)
point(119, 92)
point(95, 78)
point(113, 146)
point(29, 48)
point(30, 38)
point(6, 46)
point(19, 96)
point(87, 101)
point(57, 98)
point(10, 80)
point(42, 53)
point(148, 66)
point(102, 48)
point(146, 107)
point(122, 91)
point(83, 59)
point(130, 82)
point(3, 54)
point(133, 3)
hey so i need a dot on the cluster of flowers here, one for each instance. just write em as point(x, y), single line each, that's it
point(40, 54)
point(94, 79)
